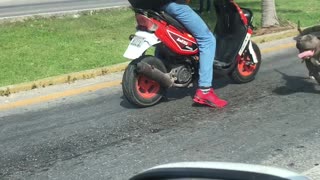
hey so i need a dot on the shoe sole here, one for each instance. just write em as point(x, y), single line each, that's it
point(205, 102)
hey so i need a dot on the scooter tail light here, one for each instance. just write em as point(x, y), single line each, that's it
point(145, 23)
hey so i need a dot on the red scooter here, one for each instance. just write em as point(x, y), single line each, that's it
point(176, 59)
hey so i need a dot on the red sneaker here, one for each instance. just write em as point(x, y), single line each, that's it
point(209, 99)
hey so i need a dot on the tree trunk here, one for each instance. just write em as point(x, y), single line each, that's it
point(269, 14)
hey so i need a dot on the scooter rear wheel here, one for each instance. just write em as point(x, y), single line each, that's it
point(139, 89)
point(245, 71)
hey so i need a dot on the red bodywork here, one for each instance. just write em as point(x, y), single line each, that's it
point(243, 17)
point(180, 42)
point(177, 40)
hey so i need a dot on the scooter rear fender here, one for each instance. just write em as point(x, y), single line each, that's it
point(141, 41)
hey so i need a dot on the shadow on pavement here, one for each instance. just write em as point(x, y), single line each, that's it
point(296, 84)
point(173, 94)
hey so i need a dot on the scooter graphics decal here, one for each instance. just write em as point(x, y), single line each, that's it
point(183, 43)
point(253, 53)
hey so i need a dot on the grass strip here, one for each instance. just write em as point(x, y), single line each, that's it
point(42, 48)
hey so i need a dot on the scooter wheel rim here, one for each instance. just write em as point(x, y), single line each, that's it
point(243, 68)
point(147, 88)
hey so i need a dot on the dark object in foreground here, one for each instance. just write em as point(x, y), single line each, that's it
point(216, 171)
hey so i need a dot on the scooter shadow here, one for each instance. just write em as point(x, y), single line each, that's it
point(296, 84)
point(173, 94)
point(179, 93)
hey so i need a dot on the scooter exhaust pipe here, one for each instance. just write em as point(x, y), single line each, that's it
point(154, 74)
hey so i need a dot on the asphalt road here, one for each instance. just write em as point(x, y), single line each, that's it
point(273, 120)
point(9, 8)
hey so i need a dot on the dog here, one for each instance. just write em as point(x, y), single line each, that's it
point(309, 50)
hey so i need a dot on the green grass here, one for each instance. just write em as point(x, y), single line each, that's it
point(288, 11)
point(305, 11)
point(41, 48)
point(47, 47)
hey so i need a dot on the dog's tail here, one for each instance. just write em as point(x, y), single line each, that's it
point(299, 27)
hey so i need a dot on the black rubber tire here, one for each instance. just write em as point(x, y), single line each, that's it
point(235, 74)
point(130, 78)
point(314, 70)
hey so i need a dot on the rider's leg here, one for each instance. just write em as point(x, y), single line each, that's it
point(206, 41)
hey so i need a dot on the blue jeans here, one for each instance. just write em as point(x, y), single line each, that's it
point(205, 39)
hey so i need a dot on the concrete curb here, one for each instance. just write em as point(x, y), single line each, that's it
point(275, 36)
point(66, 78)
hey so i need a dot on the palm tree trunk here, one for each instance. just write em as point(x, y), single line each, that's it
point(269, 14)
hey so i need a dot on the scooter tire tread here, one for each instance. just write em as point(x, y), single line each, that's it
point(235, 75)
point(130, 77)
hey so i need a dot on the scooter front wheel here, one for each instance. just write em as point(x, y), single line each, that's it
point(245, 71)
point(139, 89)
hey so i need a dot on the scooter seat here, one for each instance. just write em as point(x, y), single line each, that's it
point(172, 21)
